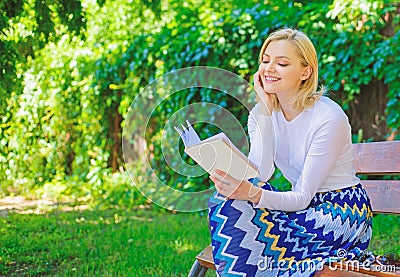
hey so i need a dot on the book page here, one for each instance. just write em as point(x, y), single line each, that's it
point(217, 136)
point(219, 153)
point(188, 135)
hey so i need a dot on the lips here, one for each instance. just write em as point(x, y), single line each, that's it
point(271, 79)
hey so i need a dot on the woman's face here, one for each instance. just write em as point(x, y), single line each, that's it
point(281, 70)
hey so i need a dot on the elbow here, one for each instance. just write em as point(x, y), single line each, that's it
point(305, 203)
point(301, 202)
point(303, 206)
point(297, 208)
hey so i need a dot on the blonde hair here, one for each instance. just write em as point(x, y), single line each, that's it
point(308, 94)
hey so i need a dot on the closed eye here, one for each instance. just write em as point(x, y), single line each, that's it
point(280, 64)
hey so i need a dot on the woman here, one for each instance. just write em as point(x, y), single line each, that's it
point(260, 231)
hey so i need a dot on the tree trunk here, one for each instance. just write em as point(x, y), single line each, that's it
point(115, 132)
point(367, 111)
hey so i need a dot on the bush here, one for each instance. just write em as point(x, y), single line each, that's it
point(79, 82)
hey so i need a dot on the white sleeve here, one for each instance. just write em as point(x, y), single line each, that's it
point(325, 148)
point(262, 143)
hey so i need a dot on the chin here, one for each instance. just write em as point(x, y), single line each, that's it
point(270, 90)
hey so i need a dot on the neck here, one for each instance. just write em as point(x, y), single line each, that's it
point(288, 109)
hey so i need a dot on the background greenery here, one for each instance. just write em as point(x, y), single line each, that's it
point(69, 70)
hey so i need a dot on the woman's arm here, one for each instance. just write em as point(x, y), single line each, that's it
point(325, 148)
point(262, 144)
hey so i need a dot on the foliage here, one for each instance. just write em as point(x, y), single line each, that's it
point(72, 68)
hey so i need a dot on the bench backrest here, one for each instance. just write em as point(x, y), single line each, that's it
point(380, 158)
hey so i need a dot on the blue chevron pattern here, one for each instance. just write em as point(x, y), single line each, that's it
point(231, 237)
point(295, 243)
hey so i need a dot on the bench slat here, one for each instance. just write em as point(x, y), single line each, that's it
point(205, 258)
point(377, 158)
point(384, 195)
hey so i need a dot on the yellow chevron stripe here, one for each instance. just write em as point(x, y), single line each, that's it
point(354, 209)
point(267, 234)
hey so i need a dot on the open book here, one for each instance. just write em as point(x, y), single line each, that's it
point(217, 152)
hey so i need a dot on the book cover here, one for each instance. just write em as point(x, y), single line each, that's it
point(217, 152)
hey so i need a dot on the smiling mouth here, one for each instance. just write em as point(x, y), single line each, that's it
point(271, 79)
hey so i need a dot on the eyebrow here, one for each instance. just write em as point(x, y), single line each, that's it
point(277, 56)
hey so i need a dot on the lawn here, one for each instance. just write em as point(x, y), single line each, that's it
point(101, 243)
point(115, 242)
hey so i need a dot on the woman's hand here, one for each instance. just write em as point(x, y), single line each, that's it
point(235, 189)
point(264, 98)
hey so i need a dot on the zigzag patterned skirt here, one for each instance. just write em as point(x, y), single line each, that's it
point(248, 241)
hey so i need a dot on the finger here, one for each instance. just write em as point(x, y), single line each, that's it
point(221, 189)
point(215, 180)
point(220, 172)
point(218, 182)
point(223, 176)
point(226, 184)
point(257, 78)
point(227, 178)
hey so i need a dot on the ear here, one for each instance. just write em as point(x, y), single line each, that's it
point(307, 71)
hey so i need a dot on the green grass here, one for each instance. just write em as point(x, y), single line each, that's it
point(121, 243)
point(101, 243)
point(385, 235)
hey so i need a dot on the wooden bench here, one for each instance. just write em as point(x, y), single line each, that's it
point(374, 159)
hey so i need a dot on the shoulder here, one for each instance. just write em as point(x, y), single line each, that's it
point(326, 112)
point(327, 109)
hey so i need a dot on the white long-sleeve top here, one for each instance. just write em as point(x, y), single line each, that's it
point(313, 151)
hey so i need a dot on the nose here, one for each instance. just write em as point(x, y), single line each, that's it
point(270, 67)
point(267, 67)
